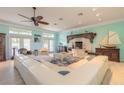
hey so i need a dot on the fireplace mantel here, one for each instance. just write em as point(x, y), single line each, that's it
point(89, 36)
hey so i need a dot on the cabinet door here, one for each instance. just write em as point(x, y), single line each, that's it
point(113, 54)
point(2, 47)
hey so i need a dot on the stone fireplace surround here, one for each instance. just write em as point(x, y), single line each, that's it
point(86, 39)
point(86, 44)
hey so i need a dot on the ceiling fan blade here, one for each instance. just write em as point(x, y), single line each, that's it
point(38, 18)
point(42, 22)
point(24, 16)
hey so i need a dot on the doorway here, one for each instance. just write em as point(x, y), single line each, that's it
point(19, 42)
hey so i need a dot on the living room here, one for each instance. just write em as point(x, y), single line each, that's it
point(34, 36)
point(77, 44)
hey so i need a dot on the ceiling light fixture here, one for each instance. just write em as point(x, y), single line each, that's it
point(55, 23)
point(98, 14)
point(60, 18)
point(80, 14)
point(94, 9)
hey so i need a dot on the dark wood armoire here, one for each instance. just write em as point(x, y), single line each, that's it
point(2, 47)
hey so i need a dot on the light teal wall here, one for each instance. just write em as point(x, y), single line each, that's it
point(5, 29)
point(56, 41)
point(37, 45)
point(101, 31)
point(61, 36)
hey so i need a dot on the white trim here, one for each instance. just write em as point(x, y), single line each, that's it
point(94, 25)
point(17, 31)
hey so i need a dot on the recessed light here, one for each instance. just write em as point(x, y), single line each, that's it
point(55, 23)
point(94, 9)
point(98, 14)
point(60, 18)
point(100, 19)
point(80, 14)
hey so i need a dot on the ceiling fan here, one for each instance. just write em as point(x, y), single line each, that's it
point(35, 19)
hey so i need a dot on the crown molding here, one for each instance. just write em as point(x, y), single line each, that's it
point(12, 24)
point(94, 25)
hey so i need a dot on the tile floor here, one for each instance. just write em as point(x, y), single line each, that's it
point(10, 76)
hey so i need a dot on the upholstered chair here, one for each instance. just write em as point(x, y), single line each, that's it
point(44, 51)
point(22, 51)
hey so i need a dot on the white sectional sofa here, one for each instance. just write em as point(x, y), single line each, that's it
point(81, 73)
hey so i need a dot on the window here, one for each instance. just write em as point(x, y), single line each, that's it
point(48, 41)
point(51, 45)
point(18, 43)
point(20, 31)
point(48, 35)
point(27, 43)
point(15, 43)
point(19, 38)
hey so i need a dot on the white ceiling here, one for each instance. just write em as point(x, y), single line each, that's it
point(69, 15)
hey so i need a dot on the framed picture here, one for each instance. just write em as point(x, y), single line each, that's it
point(37, 38)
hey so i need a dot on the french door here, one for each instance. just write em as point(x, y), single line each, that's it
point(27, 43)
point(14, 43)
point(17, 43)
point(49, 44)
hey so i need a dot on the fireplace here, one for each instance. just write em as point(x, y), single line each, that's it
point(79, 45)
